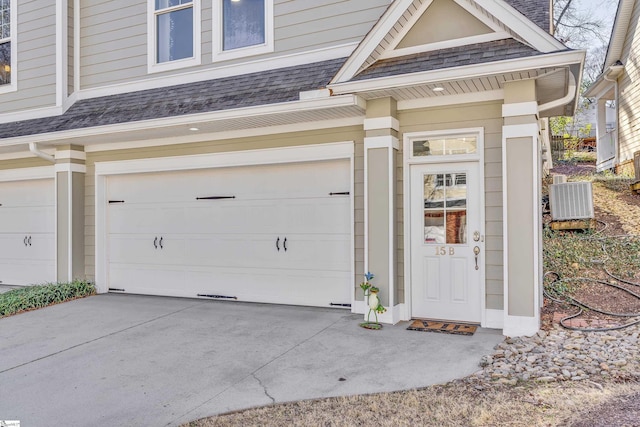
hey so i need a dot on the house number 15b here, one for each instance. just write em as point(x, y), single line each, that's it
point(443, 250)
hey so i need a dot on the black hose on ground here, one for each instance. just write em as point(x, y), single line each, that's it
point(582, 306)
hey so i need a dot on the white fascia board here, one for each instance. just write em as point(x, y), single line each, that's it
point(519, 24)
point(456, 73)
point(192, 119)
point(372, 40)
point(619, 32)
point(599, 88)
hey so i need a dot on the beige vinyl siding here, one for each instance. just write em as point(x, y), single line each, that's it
point(629, 98)
point(27, 162)
point(271, 141)
point(489, 116)
point(114, 34)
point(36, 54)
point(70, 47)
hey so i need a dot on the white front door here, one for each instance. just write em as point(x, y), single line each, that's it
point(447, 248)
point(27, 232)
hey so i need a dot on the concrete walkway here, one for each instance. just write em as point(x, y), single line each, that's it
point(150, 361)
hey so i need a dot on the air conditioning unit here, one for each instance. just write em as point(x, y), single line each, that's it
point(559, 179)
point(571, 200)
point(636, 165)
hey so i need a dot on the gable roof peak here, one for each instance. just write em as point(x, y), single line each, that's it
point(486, 20)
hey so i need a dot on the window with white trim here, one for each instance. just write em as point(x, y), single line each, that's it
point(7, 47)
point(245, 27)
point(174, 36)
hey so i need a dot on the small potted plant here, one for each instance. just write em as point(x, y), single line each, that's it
point(371, 295)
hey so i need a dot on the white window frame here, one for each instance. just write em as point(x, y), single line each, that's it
point(152, 48)
point(220, 54)
point(13, 39)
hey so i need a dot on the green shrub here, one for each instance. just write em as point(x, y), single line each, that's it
point(38, 296)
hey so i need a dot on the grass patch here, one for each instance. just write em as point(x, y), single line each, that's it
point(38, 296)
point(450, 405)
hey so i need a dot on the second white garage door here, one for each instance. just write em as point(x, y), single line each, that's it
point(27, 232)
point(274, 233)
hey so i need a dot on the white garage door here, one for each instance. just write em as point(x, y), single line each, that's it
point(27, 232)
point(274, 233)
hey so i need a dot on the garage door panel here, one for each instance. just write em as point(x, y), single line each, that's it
point(235, 216)
point(241, 251)
point(146, 248)
point(317, 252)
point(13, 247)
point(148, 279)
point(37, 192)
point(26, 271)
point(145, 218)
point(318, 215)
point(274, 286)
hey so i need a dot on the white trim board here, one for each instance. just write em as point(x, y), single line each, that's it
point(22, 174)
point(208, 137)
point(305, 153)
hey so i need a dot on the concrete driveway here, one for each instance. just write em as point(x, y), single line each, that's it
point(151, 361)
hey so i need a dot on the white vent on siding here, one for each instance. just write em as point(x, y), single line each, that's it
point(559, 179)
point(571, 200)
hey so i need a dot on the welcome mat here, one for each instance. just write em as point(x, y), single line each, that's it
point(442, 327)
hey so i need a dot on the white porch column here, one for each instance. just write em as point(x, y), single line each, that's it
point(70, 172)
point(381, 145)
point(522, 216)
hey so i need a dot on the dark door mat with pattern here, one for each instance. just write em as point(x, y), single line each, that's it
point(442, 327)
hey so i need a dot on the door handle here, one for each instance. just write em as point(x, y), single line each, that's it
point(161, 247)
point(476, 252)
point(155, 242)
point(285, 244)
point(25, 240)
point(29, 240)
point(278, 244)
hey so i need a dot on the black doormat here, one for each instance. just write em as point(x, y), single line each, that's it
point(442, 327)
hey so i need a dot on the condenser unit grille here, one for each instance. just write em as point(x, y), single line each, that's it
point(571, 200)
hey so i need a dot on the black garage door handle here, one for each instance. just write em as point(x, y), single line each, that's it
point(285, 244)
point(278, 244)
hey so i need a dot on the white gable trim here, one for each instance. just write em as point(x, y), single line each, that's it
point(512, 19)
point(392, 51)
point(524, 27)
point(372, 40)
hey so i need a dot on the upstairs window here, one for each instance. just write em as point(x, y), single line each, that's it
point(174, 34)
point(245, 27)
point(7, 53)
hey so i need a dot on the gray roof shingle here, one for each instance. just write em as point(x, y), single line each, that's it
point(447, 58)
point(536, 10)
point(267, 87)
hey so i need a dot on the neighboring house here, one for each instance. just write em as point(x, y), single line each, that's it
point(274, 151)
point(618, 85)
